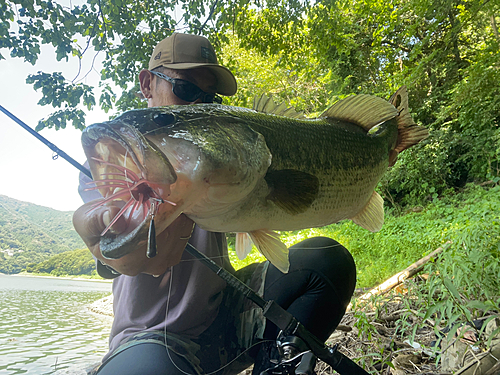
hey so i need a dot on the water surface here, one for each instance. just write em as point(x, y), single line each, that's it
point(45, 325)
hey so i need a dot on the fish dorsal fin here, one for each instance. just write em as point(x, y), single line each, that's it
point(266, 104)
point(269, 244)
point(371, 217)
point(243, 245)
point(363, 110)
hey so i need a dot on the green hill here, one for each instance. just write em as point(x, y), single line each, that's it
point(32, 234)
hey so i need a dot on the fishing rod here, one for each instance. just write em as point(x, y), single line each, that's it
point(284, 320)
point(58, 152)
point(271, 310)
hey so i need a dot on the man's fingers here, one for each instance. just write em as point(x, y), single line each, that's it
point(90, 223)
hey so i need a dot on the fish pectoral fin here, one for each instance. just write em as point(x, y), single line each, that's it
point(243, 245)
point(291, 190)
point(269, 244)
point(371, 217)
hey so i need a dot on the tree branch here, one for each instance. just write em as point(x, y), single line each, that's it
point(494, 26)
point(395, 45)
point(212, 9)
point(403, 275)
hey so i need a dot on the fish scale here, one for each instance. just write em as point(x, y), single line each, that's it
point(233, 169)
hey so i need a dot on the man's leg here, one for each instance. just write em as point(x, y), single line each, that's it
point(316, 291)
point(317, 288)
point(146, 359)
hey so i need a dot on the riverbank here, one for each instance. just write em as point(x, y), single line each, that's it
point(67, 277)
point(103, 306)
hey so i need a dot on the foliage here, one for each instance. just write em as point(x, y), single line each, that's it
point(74, 262)
point(259, 74)
point(459, 286)
point(464, 281)
point(307, 53)
point(31, 233)
point(470, 219)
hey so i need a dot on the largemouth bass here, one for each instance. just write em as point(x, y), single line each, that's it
point(252, 172)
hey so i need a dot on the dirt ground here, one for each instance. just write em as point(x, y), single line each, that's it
point(373, 343)
point(384, 339)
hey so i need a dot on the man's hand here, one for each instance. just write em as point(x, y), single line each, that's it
point(170, 243)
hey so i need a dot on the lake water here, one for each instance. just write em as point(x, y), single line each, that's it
point(45, 325)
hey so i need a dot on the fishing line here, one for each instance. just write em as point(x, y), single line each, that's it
point(166, 337)
point(300, 248)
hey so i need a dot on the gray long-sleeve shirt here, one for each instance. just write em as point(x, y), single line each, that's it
point(190, 290)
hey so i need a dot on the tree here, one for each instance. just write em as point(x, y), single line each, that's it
point(320, 51)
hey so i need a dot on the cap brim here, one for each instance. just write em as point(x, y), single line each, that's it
point(226, 83)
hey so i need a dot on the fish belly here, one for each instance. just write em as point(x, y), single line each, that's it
point(338, 199)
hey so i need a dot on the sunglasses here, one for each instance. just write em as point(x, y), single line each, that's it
point(188, 91)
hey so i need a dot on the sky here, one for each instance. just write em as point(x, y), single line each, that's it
point(27, 171)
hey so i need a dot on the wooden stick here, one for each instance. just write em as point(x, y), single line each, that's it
point(402, 276)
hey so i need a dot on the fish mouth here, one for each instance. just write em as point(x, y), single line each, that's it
point(131, 174)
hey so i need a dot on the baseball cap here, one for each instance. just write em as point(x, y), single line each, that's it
point(187, 51)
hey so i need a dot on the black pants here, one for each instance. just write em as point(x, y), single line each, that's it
point(316, 290)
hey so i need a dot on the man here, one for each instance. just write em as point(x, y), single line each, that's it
point(174, 315)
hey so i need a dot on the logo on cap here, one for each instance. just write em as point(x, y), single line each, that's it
point(209, 55)
point(158, 55)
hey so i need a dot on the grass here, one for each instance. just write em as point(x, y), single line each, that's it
point(469, 218)
point(461, 284)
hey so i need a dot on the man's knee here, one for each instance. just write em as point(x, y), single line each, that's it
point(329, 258)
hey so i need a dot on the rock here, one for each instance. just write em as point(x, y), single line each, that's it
point(78, 370)
point(404, 363)
point(103, 306)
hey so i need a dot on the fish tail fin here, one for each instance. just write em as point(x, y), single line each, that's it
point(409, 133)
point(243, 245)
point(369, 111)
point(269, 244)
point(371, 217)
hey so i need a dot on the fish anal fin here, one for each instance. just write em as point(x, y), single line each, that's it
point(269, 244)
point(243, 245)
point(371, 217)
point(409, 133)
point(364, 110)
point(266, 104)
point(292, 190)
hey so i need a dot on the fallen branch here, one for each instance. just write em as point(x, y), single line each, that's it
point(402, 276)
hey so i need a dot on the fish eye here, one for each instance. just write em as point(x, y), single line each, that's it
point(164, 119)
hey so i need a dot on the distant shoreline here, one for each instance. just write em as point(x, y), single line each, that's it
point(28, 274)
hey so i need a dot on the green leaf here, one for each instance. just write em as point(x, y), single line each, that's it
point(451, 288)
